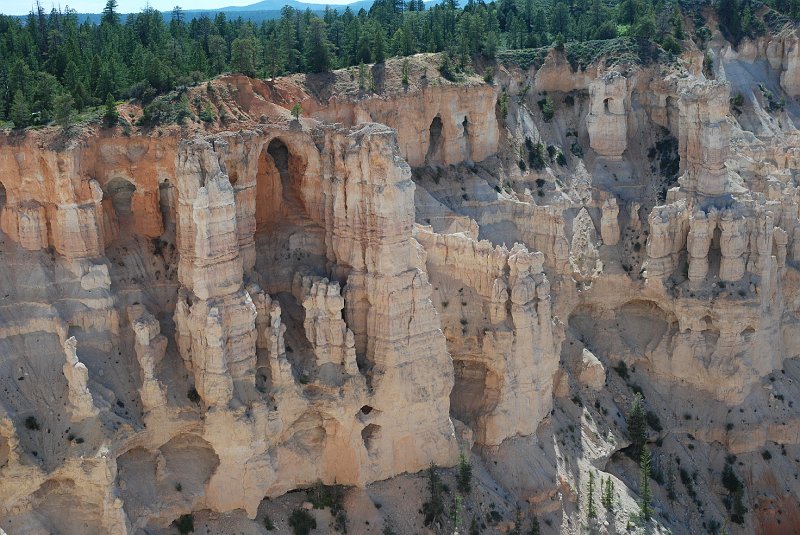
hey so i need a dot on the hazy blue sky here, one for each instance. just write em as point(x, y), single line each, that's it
point(22, 7)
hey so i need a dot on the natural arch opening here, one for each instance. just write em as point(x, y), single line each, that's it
point(287, 242)
point(435, 141)
point(467, 139)
point(638, 326)
point(474, 392)
point(177, 473)
point(62, 508)
point(715, 253)
point(121, 193)
point(370, 435)
point(278, 185)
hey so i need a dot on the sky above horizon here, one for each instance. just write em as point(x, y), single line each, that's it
point(11, 7)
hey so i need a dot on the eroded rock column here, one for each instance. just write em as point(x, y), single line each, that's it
point(215, 316)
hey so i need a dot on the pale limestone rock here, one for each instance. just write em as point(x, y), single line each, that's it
point(592, 373)
point(81, 404)
point(701, 232)
point(96, 278)
point(733, 245)
point(414, 117)
point(150, 347)
point(496, 382)
point(609, 223)
point(366, 301)
point(583, 255)
point(607, 121)
point(30, 227)
point(331, 340)
point(669, 227)
point(703, 137)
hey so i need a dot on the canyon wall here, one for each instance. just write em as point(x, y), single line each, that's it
point(202, 318)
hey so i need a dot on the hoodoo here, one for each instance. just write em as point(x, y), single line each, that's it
point(485, 290)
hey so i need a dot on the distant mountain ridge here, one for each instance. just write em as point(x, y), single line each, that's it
point(260, 11)
point(277, 5)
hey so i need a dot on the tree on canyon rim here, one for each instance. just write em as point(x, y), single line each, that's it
point(149, 54)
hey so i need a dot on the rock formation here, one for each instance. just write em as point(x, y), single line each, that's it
point(196, 319)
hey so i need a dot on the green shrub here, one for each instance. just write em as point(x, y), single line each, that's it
point(207, 115)
point(433, 509)
point(31, 423)
point(672, 46)
point(302, 522)
point(502, 101)
point(464, 477)
point(653, 421)
point(164, 110)
point(546, 106)
point(185, 524)
point(622, 370)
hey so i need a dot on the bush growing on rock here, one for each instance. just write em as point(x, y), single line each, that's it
point(302, 522)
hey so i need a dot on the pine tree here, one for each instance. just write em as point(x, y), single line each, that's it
point(608, 494)
point(535, 529)
point(559, 23)
point(110, 15)
point(110, 114)
point(433, 509)
point(318, 57)
point(297, 109)
point(592, 510)
point(243, 56)
point(62, 109)
point(379, 44)
point(637, 425)
point(517, 523)
point(645, 508)
point(20, 113)
point(671, 481)
point(464, 478)
point(457, 509)
point(729, 17)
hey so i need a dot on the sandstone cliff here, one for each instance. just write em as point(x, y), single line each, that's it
point(200, 319)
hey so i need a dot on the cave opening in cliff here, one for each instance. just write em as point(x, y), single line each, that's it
point(2, 197)
point(435, 141)
point(715, 252)
point(467, 139)
point(370, 435)
point(474, 393)
point(278, 185)
point(121, 193)
point(288, 243)
point(606, 104)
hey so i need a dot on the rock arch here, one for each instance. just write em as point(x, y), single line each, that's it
point(476, 392)
point(279, 181)
point(118, 205)
point(435, 141)
point(467, 136)
point(370, 435)
point(175, 474)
